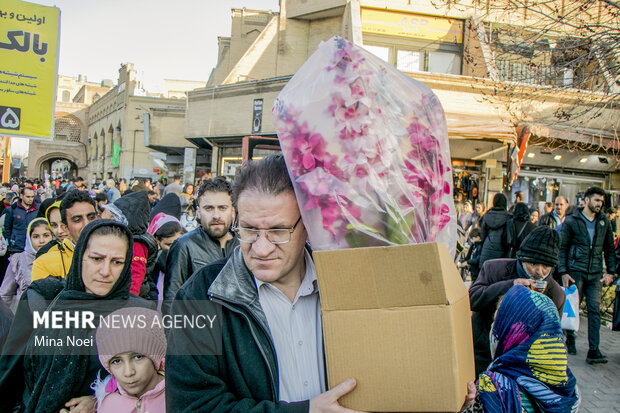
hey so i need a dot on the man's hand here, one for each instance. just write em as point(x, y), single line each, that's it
point(522, 281)
point(328, 402)
point(565, 280)
point(84, 404)
point(607, 279)
point(471, 395)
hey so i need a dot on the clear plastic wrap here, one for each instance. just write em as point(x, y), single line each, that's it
point(367, 150)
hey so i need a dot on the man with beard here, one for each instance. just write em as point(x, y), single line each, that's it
point(587, 237)
point(208, 243)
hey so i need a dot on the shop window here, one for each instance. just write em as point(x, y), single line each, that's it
point(379, 51)
point(444, 62)
point(410, 61)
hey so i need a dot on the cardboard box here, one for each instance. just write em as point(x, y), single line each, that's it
point(398, 320)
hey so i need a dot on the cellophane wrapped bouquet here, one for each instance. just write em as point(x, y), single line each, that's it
point(367, 150)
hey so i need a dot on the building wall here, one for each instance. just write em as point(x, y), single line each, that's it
point(118, 117)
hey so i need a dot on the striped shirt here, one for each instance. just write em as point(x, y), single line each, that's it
point(297, 336)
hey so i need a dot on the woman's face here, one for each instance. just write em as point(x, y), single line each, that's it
point(40, 236)
point(59, 229)
point(534, 217)
point(103, 263)
point(190, 190)
point(165, 243)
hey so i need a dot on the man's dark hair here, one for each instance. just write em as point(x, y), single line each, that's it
point(100, 196)
point(151, 192)
point(218, 184)
point(79, 178)
point(60, 190)
point(520, 195)
point(176, 177)
point(474, 233)
point(23, 189)
point(269, 175)
point(73, 197)
point(594, 190)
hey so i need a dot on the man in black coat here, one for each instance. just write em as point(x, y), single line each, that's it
point(210, 242)
point(532, 268)
point(493, 230)
point(271, 357)
point(587, 236)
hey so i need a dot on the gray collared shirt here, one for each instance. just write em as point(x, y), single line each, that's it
point(297, 335)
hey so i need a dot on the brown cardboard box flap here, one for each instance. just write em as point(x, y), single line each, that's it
point(386, 277)
point(396, 319)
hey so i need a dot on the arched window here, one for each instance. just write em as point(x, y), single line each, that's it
point(67, 128)
point(66, 96)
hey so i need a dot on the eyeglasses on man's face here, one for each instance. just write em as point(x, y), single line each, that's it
point(274, 235)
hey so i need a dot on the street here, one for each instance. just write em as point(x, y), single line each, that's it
point(599, 384)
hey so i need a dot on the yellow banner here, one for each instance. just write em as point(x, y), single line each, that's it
point(29, 38)
point(417, 26)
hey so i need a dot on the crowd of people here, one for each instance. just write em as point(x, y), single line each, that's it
point(150, 249)
point(568, 244)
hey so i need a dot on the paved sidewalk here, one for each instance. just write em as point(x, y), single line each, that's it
point(599, 384)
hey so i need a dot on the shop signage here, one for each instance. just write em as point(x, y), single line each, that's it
point(257, 118)
point(417, 26)
point(29, 35)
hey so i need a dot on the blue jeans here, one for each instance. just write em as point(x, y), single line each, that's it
point(590, 288)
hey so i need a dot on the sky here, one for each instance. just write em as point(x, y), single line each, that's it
point(164, 39)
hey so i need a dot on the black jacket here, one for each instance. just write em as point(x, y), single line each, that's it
point(493, 235)
point(16, 225)
point(578, 254)
point(548, 220)
point(495, 279)
point(244, 377)
point(516, 231)
point(188, 254)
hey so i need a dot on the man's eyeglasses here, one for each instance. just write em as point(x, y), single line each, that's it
point(275, 235)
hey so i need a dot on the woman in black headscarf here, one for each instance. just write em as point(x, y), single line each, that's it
point(518, 227)
point(59, 376)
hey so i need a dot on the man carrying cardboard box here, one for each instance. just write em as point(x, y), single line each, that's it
point(271, 337)
point(271, 323)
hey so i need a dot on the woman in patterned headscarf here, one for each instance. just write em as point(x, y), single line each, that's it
point(529, 372)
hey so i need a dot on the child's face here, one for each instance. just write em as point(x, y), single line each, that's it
point(40, 236)
point(135, 373)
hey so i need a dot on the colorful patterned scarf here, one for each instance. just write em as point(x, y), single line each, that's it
point(530, 369)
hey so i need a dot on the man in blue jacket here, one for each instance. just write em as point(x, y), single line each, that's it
point(587, 236)
point(18, 216)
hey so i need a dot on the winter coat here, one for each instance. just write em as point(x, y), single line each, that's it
point(550, 220)
point(16, 223)
point(116, 400)
point(495, 279)
point(493, 235)
point(50, 381)
point(473, 259)
point(56, 262)
point(578, 254)
point(244, 377)
point(113, 194)
point(516, 231)
point(17, 276)
point(188, 254)
point(136, 209)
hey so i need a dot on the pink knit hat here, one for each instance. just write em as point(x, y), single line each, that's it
point(146, 336)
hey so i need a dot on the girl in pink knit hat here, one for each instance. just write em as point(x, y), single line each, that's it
point(134, 357)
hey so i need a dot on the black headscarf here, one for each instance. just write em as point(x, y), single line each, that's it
point(136, 208)
point(521, 212)
point(169, 205)
point(53, 379)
